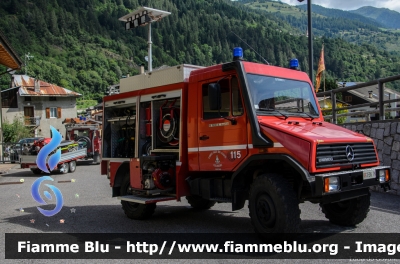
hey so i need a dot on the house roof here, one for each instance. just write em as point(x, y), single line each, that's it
point(8, 57)
point(99, 106)
point(99, 112)
point(77, 120)
point(27, 84)
point(364, 92)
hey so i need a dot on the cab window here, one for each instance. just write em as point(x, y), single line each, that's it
point(237, 106)
point(231, 100)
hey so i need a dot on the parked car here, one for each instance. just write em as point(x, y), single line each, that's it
point(22, 146)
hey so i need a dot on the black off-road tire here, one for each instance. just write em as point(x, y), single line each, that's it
point(199, 203)
point(135, 210)
point(273, 206)
point(347, 213)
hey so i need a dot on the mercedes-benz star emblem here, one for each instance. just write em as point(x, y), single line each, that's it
point(349, 153)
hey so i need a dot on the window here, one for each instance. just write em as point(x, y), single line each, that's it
point(231, 100)
point(53, 112)
point(348, 98)
point(237, 107)
point(210, 114)
point(284, 95)
point(29, 111)
point(9, 99)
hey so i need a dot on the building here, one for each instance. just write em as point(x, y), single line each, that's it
point(10, 59)
point(365, 95)
point(95, 112)
point(39, 104)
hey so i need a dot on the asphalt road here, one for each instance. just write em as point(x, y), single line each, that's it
point(96, 212)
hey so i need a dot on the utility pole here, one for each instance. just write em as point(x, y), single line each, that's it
point(142, 17)
point(310, 41)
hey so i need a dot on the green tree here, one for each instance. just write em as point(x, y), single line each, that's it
point(12, 132)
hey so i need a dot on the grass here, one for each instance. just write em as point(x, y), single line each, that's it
point(83, 104)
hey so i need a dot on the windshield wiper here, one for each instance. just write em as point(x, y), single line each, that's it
point(273, 110)
point(307, 114)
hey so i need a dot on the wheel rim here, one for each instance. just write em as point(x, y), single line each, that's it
point(64, 167)
point(265, 210)
point(72, 166)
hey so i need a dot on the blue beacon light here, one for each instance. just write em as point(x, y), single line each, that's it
point(294, 64)
point(237, 53)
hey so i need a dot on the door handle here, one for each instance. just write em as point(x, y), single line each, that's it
point(204, 137)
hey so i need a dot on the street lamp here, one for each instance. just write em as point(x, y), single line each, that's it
point(142, 17)
point(310, 41)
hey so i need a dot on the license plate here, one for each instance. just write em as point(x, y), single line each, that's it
point(32, 166)
point(370, 174)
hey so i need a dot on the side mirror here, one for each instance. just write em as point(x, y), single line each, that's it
point(214, 96)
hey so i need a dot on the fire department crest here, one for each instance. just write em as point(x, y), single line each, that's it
point(217, 155)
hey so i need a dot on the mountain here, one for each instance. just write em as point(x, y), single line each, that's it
point(81, 45)
point(384, 16)
point(337, 13)
point(331, 23)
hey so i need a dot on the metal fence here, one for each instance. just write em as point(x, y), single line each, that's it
point(380, 105)
point(10, 152)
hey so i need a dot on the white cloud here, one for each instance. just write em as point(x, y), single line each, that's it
point(350, 4)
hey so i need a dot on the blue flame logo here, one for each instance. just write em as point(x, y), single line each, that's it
point(46, 150)
point(36, 196)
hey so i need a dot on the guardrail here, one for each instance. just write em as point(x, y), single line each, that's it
point(380, 104)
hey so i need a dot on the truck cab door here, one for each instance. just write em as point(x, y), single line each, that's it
point(222, 136)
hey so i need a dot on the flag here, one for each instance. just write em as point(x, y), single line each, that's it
point(321, 68)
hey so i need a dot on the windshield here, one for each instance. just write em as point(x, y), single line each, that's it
point(274, 96)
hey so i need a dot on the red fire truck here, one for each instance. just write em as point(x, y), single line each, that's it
point(88, 136)
point(234, 132)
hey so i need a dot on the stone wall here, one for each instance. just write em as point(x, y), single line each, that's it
point(386, 135)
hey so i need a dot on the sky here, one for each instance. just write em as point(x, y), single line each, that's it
point(351, 4)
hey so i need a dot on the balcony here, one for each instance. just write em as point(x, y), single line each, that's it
point(32, 121)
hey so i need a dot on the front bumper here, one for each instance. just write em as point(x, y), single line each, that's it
point(352, 183)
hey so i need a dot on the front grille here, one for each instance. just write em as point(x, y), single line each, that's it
point(337, 154)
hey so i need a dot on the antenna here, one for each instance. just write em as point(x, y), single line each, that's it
point(250, 47)
point(27, 56)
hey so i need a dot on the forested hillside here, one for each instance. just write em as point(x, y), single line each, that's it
point(384, 16)
point(332, 23)
point(81, 45)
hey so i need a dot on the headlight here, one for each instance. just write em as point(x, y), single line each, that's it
point(331, 184)
point(384, 176)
